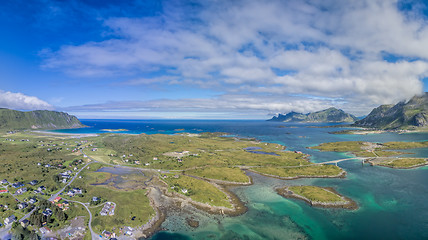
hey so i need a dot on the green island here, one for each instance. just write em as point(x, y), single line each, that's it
point(122, 184)
point(115, 130)
point(318, 171)
point(402, 163)
point(317, 196)
point(382, 154)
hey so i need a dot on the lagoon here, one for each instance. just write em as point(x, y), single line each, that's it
point(392, 203)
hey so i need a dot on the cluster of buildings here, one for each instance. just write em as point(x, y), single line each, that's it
point(66, 175)
point(40, 190)
point(44, 230)
point(61, 203)
point(13, 140)
point(74, 191)
point(20, 187)
point(9, 220)
point(108, 209)
point(47, 212)
point(23, 205)
point(108, 234)
point(17, 184)
point(127, 231)
point(21, 191)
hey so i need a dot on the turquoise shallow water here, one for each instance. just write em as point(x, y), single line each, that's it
point(393, 203)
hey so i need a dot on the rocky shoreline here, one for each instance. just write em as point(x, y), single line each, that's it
point(163, 201)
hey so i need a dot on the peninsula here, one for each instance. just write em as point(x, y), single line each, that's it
point(382, 154)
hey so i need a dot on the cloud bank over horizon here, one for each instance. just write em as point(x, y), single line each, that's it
point(19, 101)
point(259, 56)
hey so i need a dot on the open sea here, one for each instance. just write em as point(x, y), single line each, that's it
point(393, 204)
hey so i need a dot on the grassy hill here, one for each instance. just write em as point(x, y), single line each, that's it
point(40, 119)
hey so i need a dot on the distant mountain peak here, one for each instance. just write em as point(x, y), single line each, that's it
point(331, 114)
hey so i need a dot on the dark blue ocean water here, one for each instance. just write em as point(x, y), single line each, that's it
point(393, 203)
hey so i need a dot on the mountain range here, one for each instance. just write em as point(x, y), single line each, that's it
point(39, 119)
point(328, 115)
point(403, 115)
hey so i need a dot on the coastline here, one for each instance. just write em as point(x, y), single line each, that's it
point(76, 135)
point(347, 203)
point(367, 131)
point(163, 201)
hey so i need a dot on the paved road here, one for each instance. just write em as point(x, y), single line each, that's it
point(93, 234)
point(4, 231)
point(12, 194)
point(69, 182)
point(28, 214)
point(341, 160)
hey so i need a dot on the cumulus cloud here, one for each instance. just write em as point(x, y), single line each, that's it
point(255, 107)
point(352, 51)
point(19, 101)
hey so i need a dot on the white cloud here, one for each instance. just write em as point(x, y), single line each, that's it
point(232, 106)
point(19, 101)
point(328, 49)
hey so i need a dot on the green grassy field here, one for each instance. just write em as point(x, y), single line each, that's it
point(349, 146)
point(401, 162)
point(220, 173)
point(357, 147)
point(317, 194)
point(198, 190)
point(306, 171)
point(377, 153)
point(129, 202)
point(205, 150)
point(404, 145)
point(20, 161)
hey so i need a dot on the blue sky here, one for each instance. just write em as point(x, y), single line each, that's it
point(243, 59)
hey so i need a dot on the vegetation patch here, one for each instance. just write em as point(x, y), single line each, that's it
point(198, 190)
point(317, 196)
point(319, 170)
point(221, 173)
point(183, 152)
point(400, 162)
